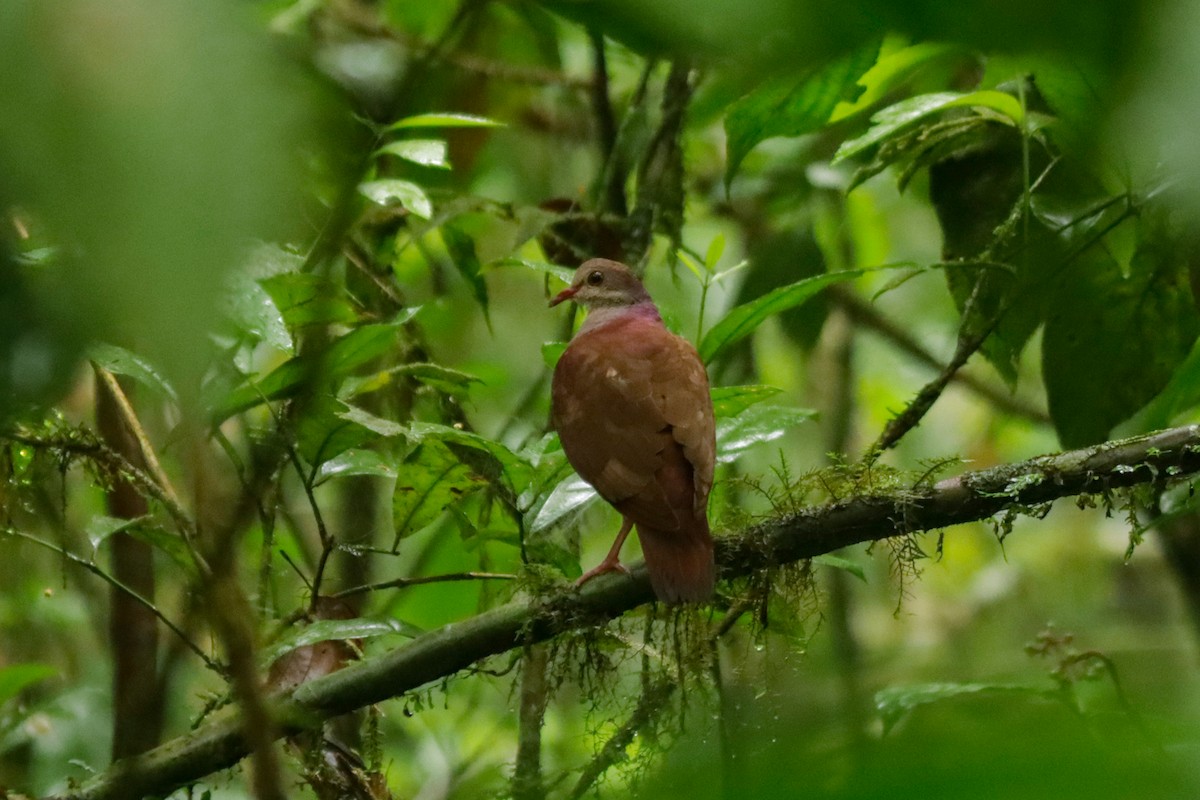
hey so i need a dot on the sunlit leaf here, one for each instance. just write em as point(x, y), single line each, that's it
point(390, 191)
point(742, 320)
point(426, 152)
point(447, 120)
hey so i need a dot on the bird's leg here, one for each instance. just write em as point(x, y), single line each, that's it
point(612, 561)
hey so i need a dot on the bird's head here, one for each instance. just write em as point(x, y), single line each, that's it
point(600, 283)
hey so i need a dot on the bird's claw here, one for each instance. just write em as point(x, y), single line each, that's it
point(601, 568)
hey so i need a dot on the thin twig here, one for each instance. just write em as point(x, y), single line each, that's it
point(95, 569)
point(404, 583)
point(112, 460)
point(866, 315)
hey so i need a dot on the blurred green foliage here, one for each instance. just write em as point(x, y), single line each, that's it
point(315, 239)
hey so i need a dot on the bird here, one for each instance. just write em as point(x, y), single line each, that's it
point(632, 407)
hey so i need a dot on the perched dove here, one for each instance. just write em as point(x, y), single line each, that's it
point(631, 404)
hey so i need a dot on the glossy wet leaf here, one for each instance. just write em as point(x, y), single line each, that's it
point(461, 248)
point(426, 152)
point(327, 630)
point(394, 191)
point(756, 424)
point(307, 299)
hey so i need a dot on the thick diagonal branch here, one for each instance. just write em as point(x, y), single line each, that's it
point(1154, 458)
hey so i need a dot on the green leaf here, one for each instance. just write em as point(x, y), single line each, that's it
point(756, 424)
point(344, 355)
point(389, 191)
point(552, 352)
point(729, 401)
point(504, 463)
point(570, 494)
point(357, 462)
point(426, 152)
point(895, 118)
point(461, 248)
point(446, 120)
point(742, 320)
point(564, 274)
point(893, 69)
point(431, 479)
point(895, 702)
point(784, 107)
point(120, 361)
point(373, 423)
point(307, 299)
point(336, 630)
point(1112, 343)
point(845, 564)
point(17, 677)
point(716, 248)
point(102, 527)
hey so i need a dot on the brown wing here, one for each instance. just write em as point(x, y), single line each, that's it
point(622, 395)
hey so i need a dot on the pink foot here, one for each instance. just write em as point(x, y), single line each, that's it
point(607, 565)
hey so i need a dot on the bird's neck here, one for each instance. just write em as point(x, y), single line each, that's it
point(606, 315)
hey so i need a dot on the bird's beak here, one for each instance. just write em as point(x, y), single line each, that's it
point(565, 294)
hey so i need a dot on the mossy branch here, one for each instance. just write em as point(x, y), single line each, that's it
point(220, 743)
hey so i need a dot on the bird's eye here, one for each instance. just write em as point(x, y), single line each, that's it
point(595, 278)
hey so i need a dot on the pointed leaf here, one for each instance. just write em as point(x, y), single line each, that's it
point(742, 320)
point(446, 120)
point(461, 248)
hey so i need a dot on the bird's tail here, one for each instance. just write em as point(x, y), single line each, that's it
point(680, 563)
